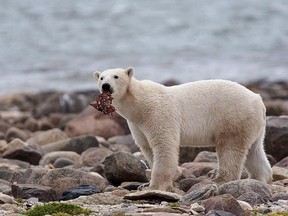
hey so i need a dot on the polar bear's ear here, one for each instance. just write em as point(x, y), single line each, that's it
point(130, 71)
point(96, 75)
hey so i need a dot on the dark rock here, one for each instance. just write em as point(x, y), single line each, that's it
point(206, 156)
point(82, 190)
point(153, 195)
point(279, 196)
point(14, 132)
point(225, 202)
point(62, 162)
point(187, 183)
point(122, 166)
point(283, 163)
point(219, 213)
point(132, 186)
point(188, 154)
point(76, 144)
point(26, 191)
point(240, 187)
point(276, 138)
point(26, 154)
point(252, 198)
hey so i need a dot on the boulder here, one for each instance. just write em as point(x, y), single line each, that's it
point(276, 138)
point(122, 166)
point(26, 191)
point(187, 183)
point(51, 157)
point(45, 137)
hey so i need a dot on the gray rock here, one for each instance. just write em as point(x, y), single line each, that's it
point(62, 162)
point(26, 191)
point(276, 138)
point(283, 163)
point(225, 202)
point(279, 196)
point(252, 198)
point(76, 144)
point(206, 156)
point(153, 194)
point(240, 187)
point(51, 157)
point(6, 199)
point(26, 154)
point(199, 168)
point(45, 137)
point(122, 166)
point(14, 132)
point(10, 175)
point(219, 213)
point(187, 183)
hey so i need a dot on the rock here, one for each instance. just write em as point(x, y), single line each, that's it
point(276, 138)
point(279, 173)
point(82, 190)
point(93, 156)
point(3, 143)
point(244, 205)
point(264, 210)
point(276, 107)
point(31, 124)
point(196, 207)
point(33, 175)
point(206, 156)
point(14, 132)
point(19, 150)
point(119, 148)
point(240, 187)
point(187, 183)
point(131, 186)
point(51, 157)
point(76, 144)
point(225, 202)
point(219, 213)
point(188, 154)
point(26, 191)
point(64, 178)
point(46, 137)
point(199, 168)
point(21, 164)
point(283, 163)
point(126, 140)
point(10, 175)
point(63, 162)
point(279, 196)
point(122, 166)
point(252, 198)
point(200, 192)
point(6, 199)
point(153, 194)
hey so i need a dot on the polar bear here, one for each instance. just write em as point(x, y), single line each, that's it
point(216, 113)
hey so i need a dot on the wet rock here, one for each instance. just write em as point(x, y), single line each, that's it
point(19, 150)
point(188, 154)
point(122, 166)
point(82, 190)
point(26, 191)
point(279, 196)
point(240, 187)
point(279, 173)
point(199, 168)
point(63, 162)
point(6, 199)
point(252, 198)
point(126, 140)
point(76, 144)
point(51, 157)
point(92, 122)
point(46, 137)
point(225, 202)
point(93, 156)
point(154, 195)
point(206, 156)
point(283, 163)
point(276, 138)
point(14, 132)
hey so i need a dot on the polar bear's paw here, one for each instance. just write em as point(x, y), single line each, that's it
point(172, 189)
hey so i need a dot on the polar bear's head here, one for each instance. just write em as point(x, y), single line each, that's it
point(115, 81)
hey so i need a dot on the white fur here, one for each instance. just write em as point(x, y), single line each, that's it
point(204, 113)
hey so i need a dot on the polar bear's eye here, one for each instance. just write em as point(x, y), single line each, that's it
point(101, 78)
point(116, 77)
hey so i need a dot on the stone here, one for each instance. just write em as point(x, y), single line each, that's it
point(197, 207)
point(199, 193)
point(279, 173)
point(75, 144)
point(279, 196)
point(26, 191)
point(19, 150)
point(206, 156)
point(126, 140)
point(283, 163)
point(6, 199)
point(45, 137)
point(64, 178)
point(240, 187)
point(187, 183)
point(21, 164)
point(252, 198)
point(225, 202)
point(245, 205)
point(131, 185)
point(51, 157)
point(188, 154)
point(31, 124)
point(93, 156)
point(153, 194)
point(199, 168)
point(92, 122)
point(276, 138)
point(81, 190)
point(14, 132)
point(122, 166)
point(62, 162)
point(10, 175)
point(119, 148)
point(219, 213)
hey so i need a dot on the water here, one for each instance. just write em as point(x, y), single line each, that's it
point(58, 44)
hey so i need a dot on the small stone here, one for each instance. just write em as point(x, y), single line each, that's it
point(206, 156)
point(245, 205)
point(81, 190)
point(264, 210)
point(197, 207)
point(62, 162)
point(51, 157)
point(153, 194)
point(126, 140)
point(14, 132)
point(187, 183)
point(279, 173)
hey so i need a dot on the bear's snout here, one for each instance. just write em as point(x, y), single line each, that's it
point(106, 87)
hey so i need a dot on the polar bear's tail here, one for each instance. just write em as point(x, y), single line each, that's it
point(257, 163)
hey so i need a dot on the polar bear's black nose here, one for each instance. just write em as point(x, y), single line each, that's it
point(106, 87)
